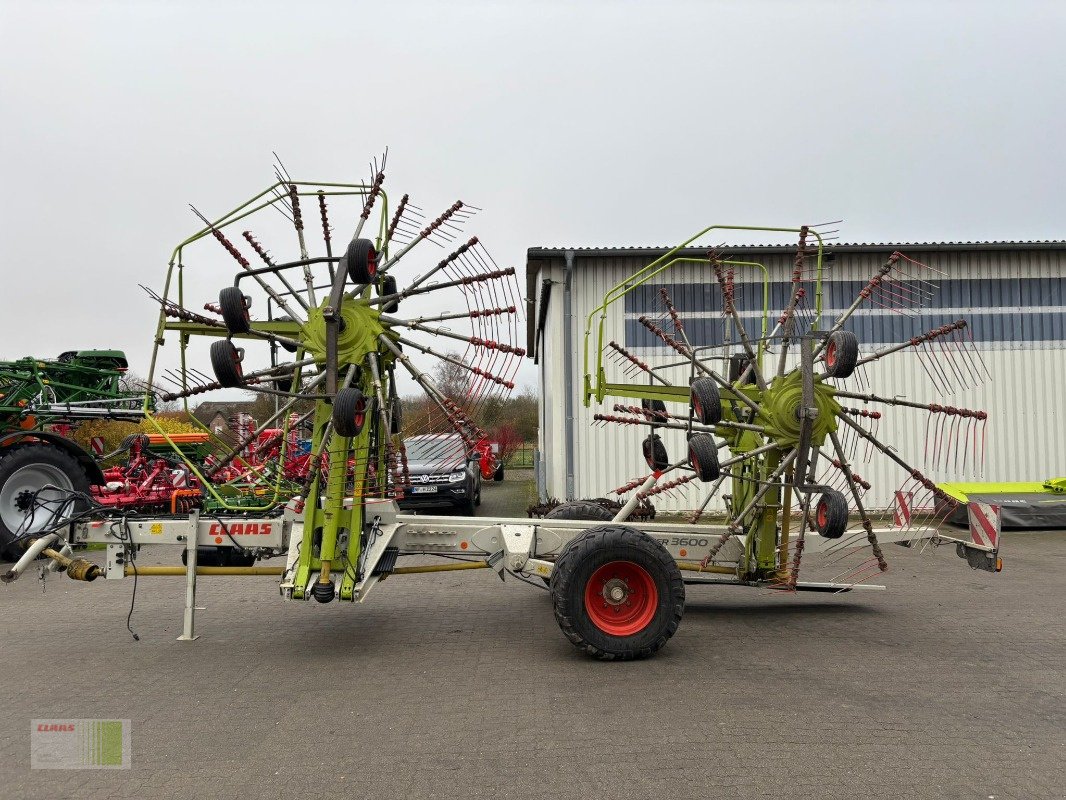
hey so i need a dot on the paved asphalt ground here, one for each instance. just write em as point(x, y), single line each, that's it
point(949, 685)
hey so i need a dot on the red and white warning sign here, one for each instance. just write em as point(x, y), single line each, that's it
point(97, 444)
point(985, 523)
point(901, 512)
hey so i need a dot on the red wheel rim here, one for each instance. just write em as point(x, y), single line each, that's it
point(360, 414)
point(697, 409)
point(831, 355)
point(621, 598)
point(823, 514)
point(235, 356)
point(695, 462)
point(372, 263)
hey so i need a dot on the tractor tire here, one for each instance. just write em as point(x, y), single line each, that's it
point(234, 307)
point(28, 468)
point(226, 364)
point(703, 457)
point(841, 353)
point(350, 411)
point(831, 514)
point(389, 286)
point(580, 509)
point(657, 407)
point(617, 593)
point(498, 474)
point(362, 261)
point(655, 453)
point(706, 401)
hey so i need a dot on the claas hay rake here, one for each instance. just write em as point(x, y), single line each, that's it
point(339, 331)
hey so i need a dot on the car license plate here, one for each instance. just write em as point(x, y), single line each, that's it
point(423, 490)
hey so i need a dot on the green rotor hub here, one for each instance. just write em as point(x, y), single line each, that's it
point(780, 405)
point(360, 328)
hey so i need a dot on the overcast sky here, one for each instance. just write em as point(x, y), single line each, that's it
point(569, 123)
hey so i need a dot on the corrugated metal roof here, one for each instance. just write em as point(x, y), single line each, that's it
point(543, 251)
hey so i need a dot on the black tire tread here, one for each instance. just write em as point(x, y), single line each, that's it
point(847, 354)
point(702, 446)
point(580, 509)
point(234, 310)
point(344, 409)
point(836, 515)
point(625, 541)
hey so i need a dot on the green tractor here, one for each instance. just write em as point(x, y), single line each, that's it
point(44, 475)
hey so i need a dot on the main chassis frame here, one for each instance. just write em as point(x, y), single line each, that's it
point(520, 547)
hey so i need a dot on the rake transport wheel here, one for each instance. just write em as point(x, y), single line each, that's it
point(831, 514)
point(350, 410)
point(655, 452)
point(703, 457)
point(706, 401)
point(234, 307)
point(226, 364)
point(617, 593)
point(841, 354)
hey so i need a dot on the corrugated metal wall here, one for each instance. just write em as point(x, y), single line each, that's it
point(1017, 326)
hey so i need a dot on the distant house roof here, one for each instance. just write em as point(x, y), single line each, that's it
point(206, 411)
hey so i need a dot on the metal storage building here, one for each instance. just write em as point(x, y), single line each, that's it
point(1013, 294)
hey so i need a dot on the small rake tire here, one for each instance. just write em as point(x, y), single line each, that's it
point(619, 556)
point(841, 354)
point(655, 453)
point(350, 411)
point(234, 307)
point(361, 260)
point(657, 409)
point(706, 401)
point(389, 286)
point(831, 514)
point(226, 364)
point(703, 457)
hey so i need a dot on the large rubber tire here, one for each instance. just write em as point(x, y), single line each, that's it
point(350, 411)
point(580, 509)
point(841, 353)
point(655, 452)
point(361, 261)
point(226, 364)
point(656, 407)
point(831, 514)
point(234, 307)
point(703, 457)
point(706, 401)
point(645, 574)
point(389, 286)
point(25, 469)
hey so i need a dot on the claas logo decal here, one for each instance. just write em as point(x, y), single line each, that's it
point(240, 529)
